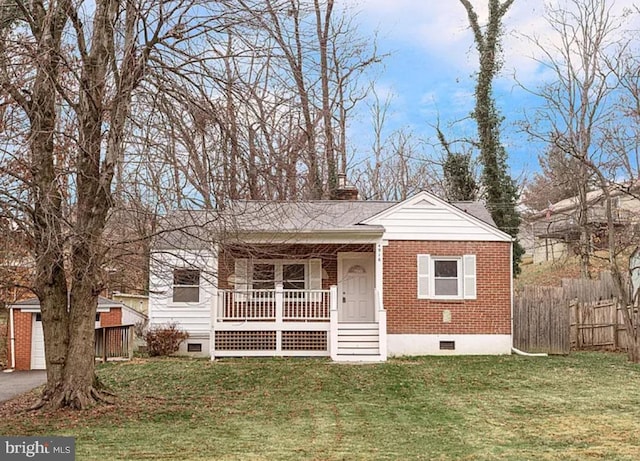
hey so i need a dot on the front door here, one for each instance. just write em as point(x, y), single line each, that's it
point(355, 287)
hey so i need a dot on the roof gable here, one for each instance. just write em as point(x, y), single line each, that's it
point(427, 217)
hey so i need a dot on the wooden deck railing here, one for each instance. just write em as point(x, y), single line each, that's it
point(114, 342)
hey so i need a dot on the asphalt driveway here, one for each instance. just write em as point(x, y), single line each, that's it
point(19, 382)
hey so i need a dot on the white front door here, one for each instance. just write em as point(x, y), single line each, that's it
point(355, 287)
point(37, 344)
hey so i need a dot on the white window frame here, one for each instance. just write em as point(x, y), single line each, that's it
point(467, 283)
point(174, 285)
point(279, 270)
point(459, 277)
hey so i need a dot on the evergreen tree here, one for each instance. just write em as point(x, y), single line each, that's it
point(459, 181)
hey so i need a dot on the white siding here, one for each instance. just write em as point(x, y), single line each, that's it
point(131, 317)
point(194, 318)
point(417, 219)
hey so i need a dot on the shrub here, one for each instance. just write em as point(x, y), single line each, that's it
point(164, 340)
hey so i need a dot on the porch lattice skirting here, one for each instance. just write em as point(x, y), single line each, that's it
point(292, 323)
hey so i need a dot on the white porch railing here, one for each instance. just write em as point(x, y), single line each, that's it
point(282, 323)
point(271, 322)
point(273, 305)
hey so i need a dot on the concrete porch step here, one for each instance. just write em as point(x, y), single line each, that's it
point(357, 326)
point(358, 351)
point(353, 330)
point(355, 338)
point(358, 345)
point(359, 358)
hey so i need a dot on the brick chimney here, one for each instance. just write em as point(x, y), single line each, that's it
point(345, 190)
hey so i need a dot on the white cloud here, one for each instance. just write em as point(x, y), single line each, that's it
point(440, 28)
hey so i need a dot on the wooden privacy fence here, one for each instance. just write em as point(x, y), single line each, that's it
point(582, 314)
point(114, 342)
point(541, 322)
point(598, 325)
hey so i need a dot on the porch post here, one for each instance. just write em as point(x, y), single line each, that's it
point(382, 334)
point(279, 295)
point(215, 302)
point(379, 280)
point(333, 322)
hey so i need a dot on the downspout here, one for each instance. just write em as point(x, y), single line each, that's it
point(528, 354)
point(12, 341)
point(511, 287)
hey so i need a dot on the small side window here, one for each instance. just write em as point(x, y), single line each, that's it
point(186, 286)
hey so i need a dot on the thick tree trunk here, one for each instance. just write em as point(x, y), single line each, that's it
point(55, 329)
point(69, 324)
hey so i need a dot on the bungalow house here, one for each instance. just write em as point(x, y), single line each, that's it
point(353, 280)
point(26, 340)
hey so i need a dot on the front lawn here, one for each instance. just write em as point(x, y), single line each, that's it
point(585, 406)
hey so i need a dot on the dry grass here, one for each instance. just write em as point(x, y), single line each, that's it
point(551, 273)
point(581, 407)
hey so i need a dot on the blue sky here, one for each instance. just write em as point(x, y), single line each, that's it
point(429, 72)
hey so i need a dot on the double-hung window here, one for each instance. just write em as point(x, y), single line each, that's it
point(266, 274)
point(446, 277)
point(186, 285)
point(292, 275)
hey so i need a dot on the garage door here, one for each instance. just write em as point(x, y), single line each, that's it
point(37, 344)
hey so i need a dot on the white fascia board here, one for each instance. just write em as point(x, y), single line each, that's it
point(423, 195)
point(36, 309)
point(319, 237)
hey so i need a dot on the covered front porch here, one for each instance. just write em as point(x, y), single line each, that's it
point(300, 300)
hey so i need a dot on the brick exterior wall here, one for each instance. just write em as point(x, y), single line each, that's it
point(111, 318)
point(489, 313)
point(327, 252)
point(22, 330)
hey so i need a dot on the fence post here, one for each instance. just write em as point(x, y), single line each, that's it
point(130, 335)
point(578, 326)
point(576, 332)
point(616, 308)
point(104, 345)
point(333, 322)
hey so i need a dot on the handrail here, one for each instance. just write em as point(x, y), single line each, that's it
point(272, 305)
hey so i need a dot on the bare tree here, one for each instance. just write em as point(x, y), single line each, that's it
point(399, 166)
point(590, 117)
point(575, 103)
point(83, 62)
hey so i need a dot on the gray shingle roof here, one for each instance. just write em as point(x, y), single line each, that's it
point(189, 229)
point(35, 302)
point(477, 210)
point(310, 216)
